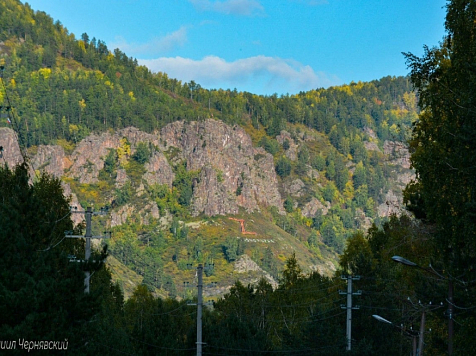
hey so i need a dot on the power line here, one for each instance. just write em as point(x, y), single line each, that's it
point(88, 236)
point(52, 246)
point(310, 303)
point(301, 351)
point(161, 347)
point(112, 348)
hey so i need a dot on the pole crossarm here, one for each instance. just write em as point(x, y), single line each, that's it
point(106, 236)
point(88, 213)
point(409, 333)
point(450, 311)
point(349, 307)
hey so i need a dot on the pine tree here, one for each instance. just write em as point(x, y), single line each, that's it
point(42, 293)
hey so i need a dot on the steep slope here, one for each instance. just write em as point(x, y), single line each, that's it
point(157, 232)
point(304, 171)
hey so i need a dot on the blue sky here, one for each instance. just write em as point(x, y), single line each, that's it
point(260, 46)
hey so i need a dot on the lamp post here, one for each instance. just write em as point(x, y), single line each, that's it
point(412, 334)
point(406, 262)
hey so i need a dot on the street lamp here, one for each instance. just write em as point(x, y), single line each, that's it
point(430, 270)
point(404, 261)
point(412, 334)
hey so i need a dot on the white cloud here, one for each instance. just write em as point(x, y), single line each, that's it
point(260, 74)
point(230, 7)
point(158, 45)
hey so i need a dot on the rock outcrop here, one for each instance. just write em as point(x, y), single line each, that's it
point(398, 153)
point(51, 159)
point(159, 170)
point(311, 208)
point(292, 151)
point(88, 157)
point(11, 153)
point(233, 173)
point(245, 264)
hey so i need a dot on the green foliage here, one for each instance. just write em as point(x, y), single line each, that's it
point(283, 166)
point(269, 262)
point(232, 248)
point(313, 239)
point(317, 219)
point(331, 171)
point(286, 145)
point(219, 176)
point(292, 272)
point(303, 155)
point(135, 171)
point(183, 184)
point(175, 227)
point(198, 249)
point(41, 291)
point(142, 153)
point(360, 176)
point(332, 232)
point(318, 162)
point(443, 139)
point(330, 192)
point(124, 194)
point(301, 168)
point(341, 173)
point(289, 205)
point(269, 144)
point(108, 173)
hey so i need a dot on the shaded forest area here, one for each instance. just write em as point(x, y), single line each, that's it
point(43, 295)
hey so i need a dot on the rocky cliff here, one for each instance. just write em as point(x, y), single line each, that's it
point(232, 174)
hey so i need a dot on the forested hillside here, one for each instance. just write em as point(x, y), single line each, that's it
point(337, 155)
point(64, 87)
point(279, 197)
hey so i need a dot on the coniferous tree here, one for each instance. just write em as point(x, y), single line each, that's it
point(41, 291)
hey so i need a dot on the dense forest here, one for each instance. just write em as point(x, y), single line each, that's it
point(62, 88)
point(58, 89)
point(44, 306)
point(65, 87)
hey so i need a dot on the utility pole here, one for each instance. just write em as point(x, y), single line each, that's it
point(451, 309)
point(349, 307)
point(200, 304)
point(199, 309)
point(421, 340)
point(88, 236)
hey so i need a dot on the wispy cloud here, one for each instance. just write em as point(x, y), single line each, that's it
point(157, 46)
point(266, 75)
point(231, 7)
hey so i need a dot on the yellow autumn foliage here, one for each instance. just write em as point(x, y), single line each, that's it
point(124, 149)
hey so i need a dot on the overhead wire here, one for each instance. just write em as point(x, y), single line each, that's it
point(52, 230)
point(112, 348)
point(300, 351)
point(52, 246)
point(162, 347)
point(458, 307)
point(310, 303)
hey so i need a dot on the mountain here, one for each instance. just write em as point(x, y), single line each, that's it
point(175, 161)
